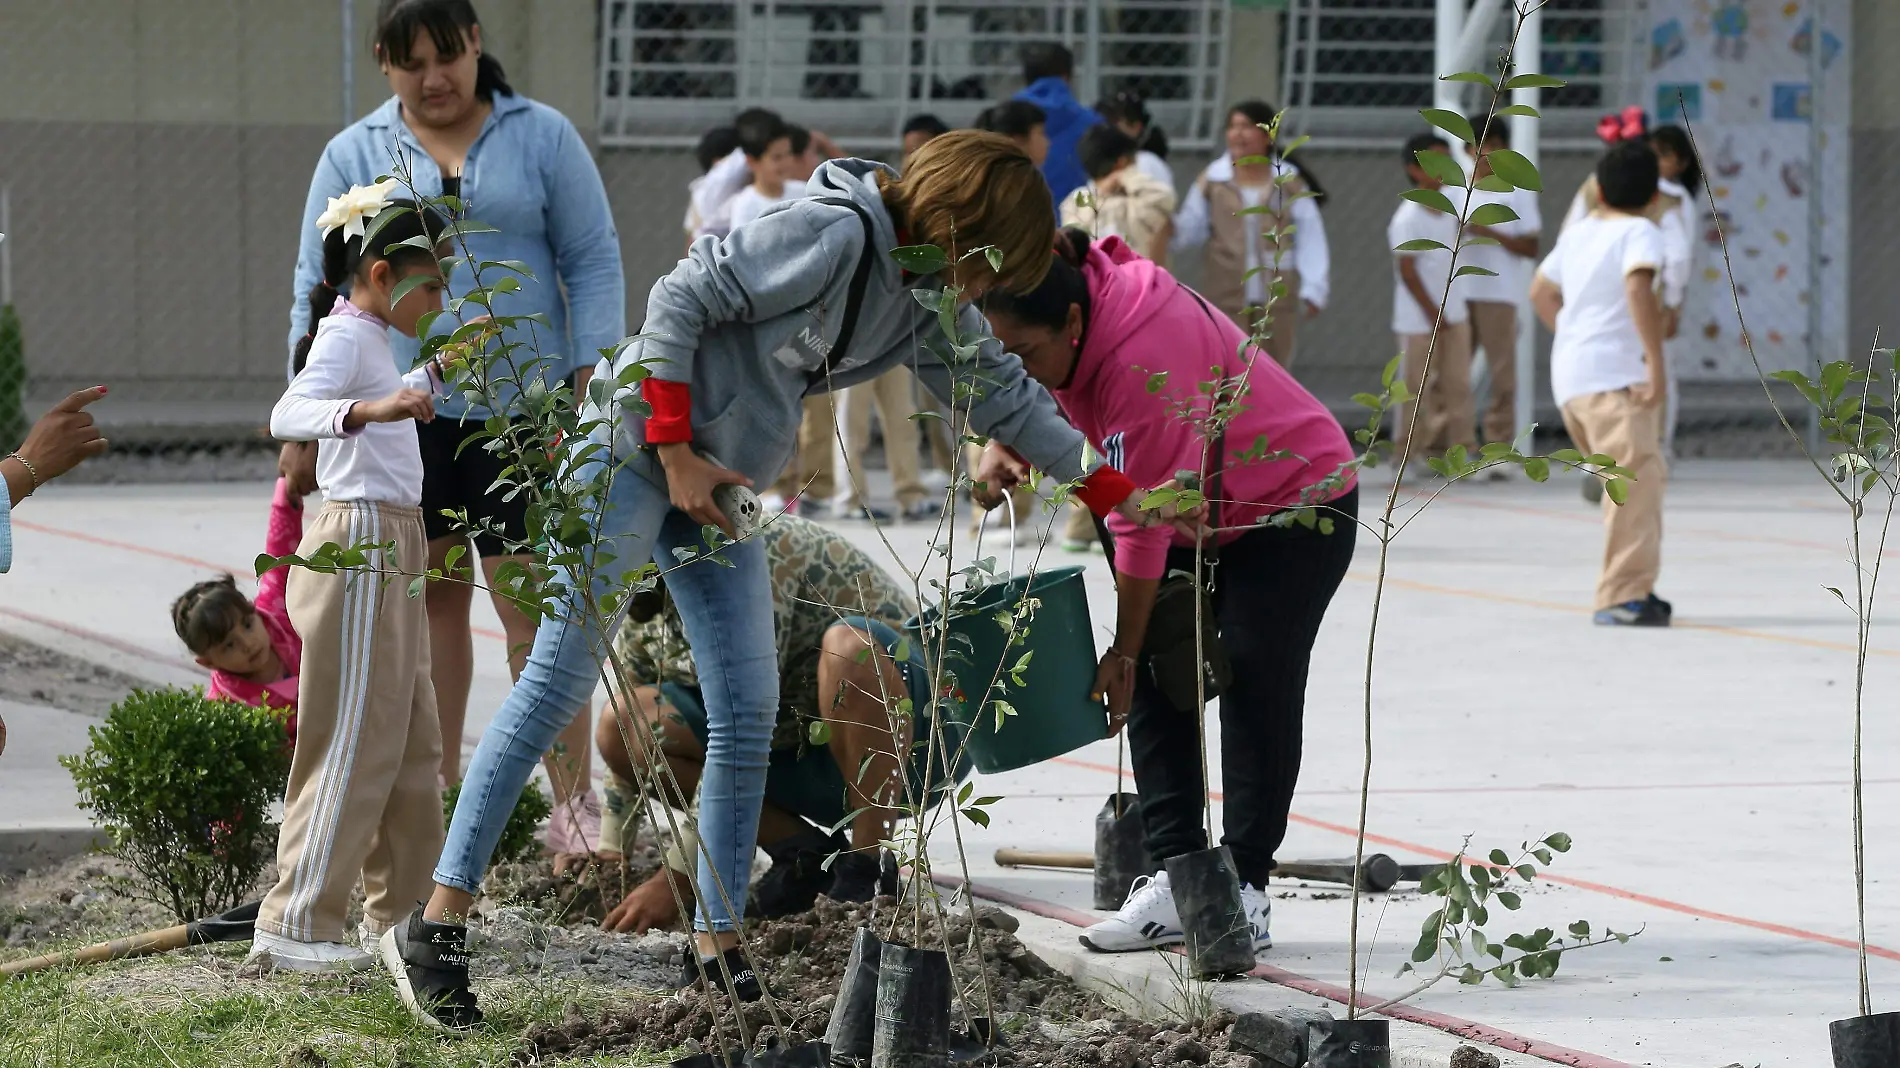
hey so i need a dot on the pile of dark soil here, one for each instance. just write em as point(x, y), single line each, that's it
point(1045, 1017)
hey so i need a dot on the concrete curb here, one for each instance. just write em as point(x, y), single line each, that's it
point(1153, 986)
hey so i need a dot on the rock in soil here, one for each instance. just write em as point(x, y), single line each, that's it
point(1473, 1057)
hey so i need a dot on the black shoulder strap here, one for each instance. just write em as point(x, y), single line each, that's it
point(854, 297)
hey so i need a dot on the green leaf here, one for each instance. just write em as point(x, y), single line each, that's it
point(1469, 76)
point(1500, 858)
point(977, 816)
point(409, 283)
point(1559, 841)
point(1517, 109)
point(1581, 928)
point(1156, 381)
point(382, 219)
point(1537, 469)
point(1422, 244)
point(1430, 198)
point(1534, 81)
point(818, 732)
point(1617, 490)
point(1441, 166)
point(1452, 123)
point(995, 256)
point(1509, 900)
point(517, 266)
point(416, 584)
point(1492, 215)
point(1491, 183)
point(920, 259)
point(1471, 268)
point(1515, 169)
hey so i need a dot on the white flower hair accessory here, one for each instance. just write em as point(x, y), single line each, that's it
point(353, 210)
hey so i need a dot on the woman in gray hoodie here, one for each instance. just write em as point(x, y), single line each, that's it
point(800, 300)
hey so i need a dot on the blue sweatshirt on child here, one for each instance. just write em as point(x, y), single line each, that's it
point(1064, 121)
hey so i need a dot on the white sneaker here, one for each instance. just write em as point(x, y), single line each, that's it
point(1259, 915)
point(294, 956)
point(370, 937)
point(1147, 920)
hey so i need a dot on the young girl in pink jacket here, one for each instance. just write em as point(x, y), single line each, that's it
point(1123, 348)
point(250, 647)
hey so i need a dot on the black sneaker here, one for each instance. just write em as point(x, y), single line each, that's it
point(797, 875)
point(745, 982)
point(1667, 609)
point(429, 962)
point(855, 877)
point(1649, 612)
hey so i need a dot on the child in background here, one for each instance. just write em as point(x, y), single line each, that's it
point(714, 145)
point(712, 199)
point(253, 652)
point(1120, 201)
point(362, 794)
point(920, 130)
point(1439, 415)
point(1596, 292)
point(1493, 298)
point(771, 159)
point(1679, 185)
point(1128, 112)
point(1021, 122)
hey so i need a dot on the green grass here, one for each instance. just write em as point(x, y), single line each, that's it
point(191, 1009)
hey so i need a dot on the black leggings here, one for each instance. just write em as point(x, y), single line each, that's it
point(1270, 593)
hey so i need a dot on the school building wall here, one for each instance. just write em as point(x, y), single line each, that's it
point(158, 152)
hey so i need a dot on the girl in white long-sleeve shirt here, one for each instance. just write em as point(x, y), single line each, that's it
point(362, 794)
point(1237, 243)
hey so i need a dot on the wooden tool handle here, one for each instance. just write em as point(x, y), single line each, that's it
point(1030, 858)
point(137, 945)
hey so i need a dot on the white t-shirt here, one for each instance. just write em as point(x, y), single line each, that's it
point(1597, 348)
point(748, 204)
point(1416, 222)
point(1513, 271)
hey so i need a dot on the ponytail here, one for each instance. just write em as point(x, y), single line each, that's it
point(490, 78)
point(323, 295)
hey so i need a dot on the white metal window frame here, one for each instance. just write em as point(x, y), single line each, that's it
point(756, 53)
point(1619, 50)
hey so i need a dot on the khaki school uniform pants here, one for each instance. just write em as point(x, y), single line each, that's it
point(362, 795)
point(892, 394)
point(1494, 329)
point(1613, 424)
point(1439, 415)
point(810, 470)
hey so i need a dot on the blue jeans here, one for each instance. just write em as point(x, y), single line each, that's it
point(727, 612)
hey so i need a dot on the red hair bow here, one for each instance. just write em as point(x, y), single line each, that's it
point(1627, 126)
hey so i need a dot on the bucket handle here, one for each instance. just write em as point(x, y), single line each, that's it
point(983, 522)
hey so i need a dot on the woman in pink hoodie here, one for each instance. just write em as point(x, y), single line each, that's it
point(1124, 348)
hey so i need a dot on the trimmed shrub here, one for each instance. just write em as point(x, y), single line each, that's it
point(183, 788)
point(519, 841)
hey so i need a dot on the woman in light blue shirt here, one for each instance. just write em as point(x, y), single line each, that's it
point(523, 169)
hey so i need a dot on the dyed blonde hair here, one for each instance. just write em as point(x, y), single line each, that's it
point(968, 189)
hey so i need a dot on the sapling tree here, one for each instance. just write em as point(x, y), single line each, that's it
point(1857, 404)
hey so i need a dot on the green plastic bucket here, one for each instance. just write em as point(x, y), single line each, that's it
point(1054, 713)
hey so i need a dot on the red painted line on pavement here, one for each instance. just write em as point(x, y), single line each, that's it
point(249, 573)
point(1469, 1029)
point(1565, 880)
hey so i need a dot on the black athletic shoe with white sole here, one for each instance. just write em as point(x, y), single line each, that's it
point(429, 962)
point(745, 981)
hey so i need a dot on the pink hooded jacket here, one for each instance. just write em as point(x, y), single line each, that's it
point(286, 530)
point(1141, 323)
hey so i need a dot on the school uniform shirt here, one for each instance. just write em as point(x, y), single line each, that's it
point(1416, 222)
point(1678, 231)
point(1597, 348)
point(1312, 256)
point(748, 204)
point(1513, 279)
point(350, 361)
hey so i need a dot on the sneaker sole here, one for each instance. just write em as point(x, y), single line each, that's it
point(1174, 939)
point(391, 957)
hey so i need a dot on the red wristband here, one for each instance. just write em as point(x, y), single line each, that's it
point(672, 404)
point(1103, 489)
